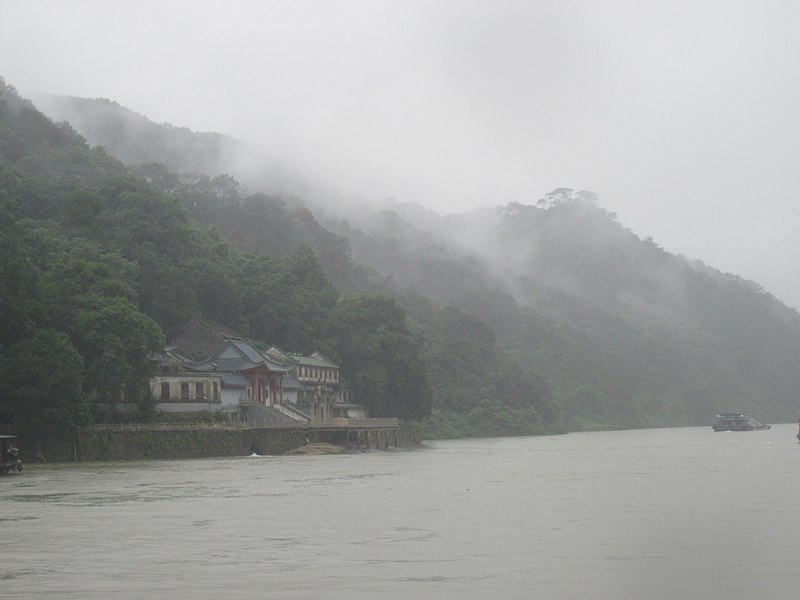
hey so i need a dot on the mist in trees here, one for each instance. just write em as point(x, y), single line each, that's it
point(523, 318)
point(101, 269)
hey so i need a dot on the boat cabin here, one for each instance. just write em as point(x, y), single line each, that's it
point(738, 422)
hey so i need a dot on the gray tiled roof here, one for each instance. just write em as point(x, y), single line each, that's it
point(235, 355)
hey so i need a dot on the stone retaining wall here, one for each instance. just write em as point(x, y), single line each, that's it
point(90, 446)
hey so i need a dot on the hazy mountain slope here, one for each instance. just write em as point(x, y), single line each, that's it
point(95, 271)
point(636, 322)
point(24, 131)
point(134, 139)
point(625, 333)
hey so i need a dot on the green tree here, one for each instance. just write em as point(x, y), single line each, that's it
point(40, 383)
point(90, 295)
point(381, 358)
point(117, 341)
point(18, 279)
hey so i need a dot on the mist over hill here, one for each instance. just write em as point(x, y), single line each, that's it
point(622, 333)
point(625, 332)
point(135, 140)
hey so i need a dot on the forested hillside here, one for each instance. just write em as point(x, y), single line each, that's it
point(102, 264)
point(532, 315)
point(100, 268)
point(625, 333)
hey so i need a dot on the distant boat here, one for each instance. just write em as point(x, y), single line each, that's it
point(738, 422)
point(798, 423)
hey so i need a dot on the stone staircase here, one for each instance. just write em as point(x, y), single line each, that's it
point(268, 414)
point(291, 412)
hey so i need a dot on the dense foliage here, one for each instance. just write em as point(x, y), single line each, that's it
point(626, 334)
point(375, 346)
point(513, 320)
point(100, 267)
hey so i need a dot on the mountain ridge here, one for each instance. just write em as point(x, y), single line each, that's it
point(626, 333)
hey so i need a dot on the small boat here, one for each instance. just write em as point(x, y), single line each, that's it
point(738, 422)
point(9, 455)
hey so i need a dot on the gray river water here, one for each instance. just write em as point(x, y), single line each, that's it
point(661, 514)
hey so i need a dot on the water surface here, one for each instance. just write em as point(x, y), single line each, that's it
point(656, 514)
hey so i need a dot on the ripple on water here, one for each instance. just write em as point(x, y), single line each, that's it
point(21, 573)
point(51, 497)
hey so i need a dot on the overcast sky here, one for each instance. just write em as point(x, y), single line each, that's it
point(684, 116)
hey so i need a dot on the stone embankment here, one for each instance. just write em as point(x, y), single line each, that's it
point(206, 440)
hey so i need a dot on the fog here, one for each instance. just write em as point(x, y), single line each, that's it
point(680, 115)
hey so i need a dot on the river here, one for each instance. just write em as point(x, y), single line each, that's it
point(646, 514)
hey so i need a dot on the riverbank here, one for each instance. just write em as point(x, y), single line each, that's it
point(141, 443)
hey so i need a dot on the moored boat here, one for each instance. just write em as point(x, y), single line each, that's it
point(738, 422)
point(9, 455)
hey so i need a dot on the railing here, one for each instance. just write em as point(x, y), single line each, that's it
point(190, 426)
point(377, 423)
point(366, 423)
